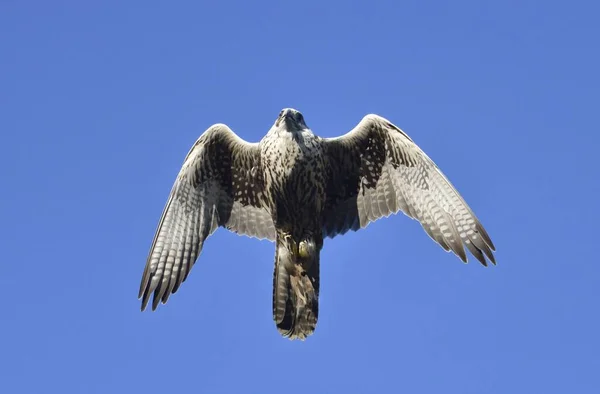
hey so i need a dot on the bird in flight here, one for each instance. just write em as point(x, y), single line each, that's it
point(296, 188)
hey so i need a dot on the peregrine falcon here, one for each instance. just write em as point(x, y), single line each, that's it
point(295, 188)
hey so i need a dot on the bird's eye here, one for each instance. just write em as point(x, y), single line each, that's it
point(280, 113)
point(299, 117)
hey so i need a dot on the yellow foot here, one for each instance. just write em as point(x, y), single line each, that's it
point(303, 251)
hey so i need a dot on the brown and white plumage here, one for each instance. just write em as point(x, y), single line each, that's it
point(377, 170)
point(219, 185)
point(295, 188)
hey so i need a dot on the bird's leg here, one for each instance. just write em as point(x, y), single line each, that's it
point(308, 249)
point(295, 268)
point(291, 244)
point(304, 250)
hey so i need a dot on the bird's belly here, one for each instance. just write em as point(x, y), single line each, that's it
point(296, 188)
point(300, 191)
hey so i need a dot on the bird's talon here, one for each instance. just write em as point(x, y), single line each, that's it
point(303, 250)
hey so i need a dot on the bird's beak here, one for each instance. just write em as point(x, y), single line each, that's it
point(289, 119)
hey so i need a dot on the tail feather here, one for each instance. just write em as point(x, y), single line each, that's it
point(296, 289)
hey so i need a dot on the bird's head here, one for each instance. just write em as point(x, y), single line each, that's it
point(290, 120)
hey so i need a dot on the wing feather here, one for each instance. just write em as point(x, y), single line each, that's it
point(212, 189)
point(376, 170)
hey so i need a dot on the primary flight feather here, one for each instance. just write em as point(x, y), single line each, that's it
point(296, 188)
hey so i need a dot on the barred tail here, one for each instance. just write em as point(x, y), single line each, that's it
point(296, 287)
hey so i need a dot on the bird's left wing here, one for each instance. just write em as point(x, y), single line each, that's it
point(220, 184)
point(376, 170)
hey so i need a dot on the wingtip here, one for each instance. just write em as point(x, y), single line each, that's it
point(155, 302)
point(145, 296)
point(489, 254)
point(462, 254)
point(144, 284)
point(485, 236)
point(484, 260)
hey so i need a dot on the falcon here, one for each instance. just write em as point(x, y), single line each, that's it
point(295, 188)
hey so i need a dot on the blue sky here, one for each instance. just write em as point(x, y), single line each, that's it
point(100, 102)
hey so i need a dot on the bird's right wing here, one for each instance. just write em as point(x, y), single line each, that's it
point(376, 170)
point(220, 184)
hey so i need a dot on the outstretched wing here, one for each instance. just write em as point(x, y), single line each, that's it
point(376, 170)
point(220, 184)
